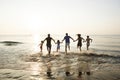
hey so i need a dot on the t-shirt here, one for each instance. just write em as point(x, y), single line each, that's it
point(67, 39)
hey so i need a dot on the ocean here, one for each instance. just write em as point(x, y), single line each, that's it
point(102, 44)
point(21, 53)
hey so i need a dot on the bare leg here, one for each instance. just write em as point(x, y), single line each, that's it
point(49, 51)
point(87, 47)
point(57, 50)
point(80, 48)
point(69, 47)
point(40, 49)
point(65, 49)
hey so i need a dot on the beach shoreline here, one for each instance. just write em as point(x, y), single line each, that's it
point(35, 67)
point(9, 74)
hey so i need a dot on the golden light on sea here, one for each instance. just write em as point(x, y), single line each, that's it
point(36, 40)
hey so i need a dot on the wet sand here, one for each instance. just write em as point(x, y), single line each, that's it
point(35, 67)
point(8, 74)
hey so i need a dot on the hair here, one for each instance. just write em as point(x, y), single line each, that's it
point(79, 35)
point(66, 33)
point(49, 35)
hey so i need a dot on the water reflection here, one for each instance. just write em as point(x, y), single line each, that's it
point(67, 67)
point(49, 71)
point(36, 40)
point(35, 68)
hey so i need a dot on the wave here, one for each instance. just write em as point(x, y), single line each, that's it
point(73, 57)
point(11, 43)
point(100, 55)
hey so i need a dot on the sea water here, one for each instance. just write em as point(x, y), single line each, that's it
point(101, 44)
point(23, 54)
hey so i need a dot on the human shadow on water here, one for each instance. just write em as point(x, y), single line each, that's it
point(69, 73)
point(83, 69)
point(49, 71)
point(67, 67)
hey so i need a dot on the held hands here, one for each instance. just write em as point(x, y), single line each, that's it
point(61, 41)
point(84, 41)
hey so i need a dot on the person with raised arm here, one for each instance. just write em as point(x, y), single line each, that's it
point(67, 42)
point(58, 45)
point(48, 44)
point(79, 39)
point(88, 42)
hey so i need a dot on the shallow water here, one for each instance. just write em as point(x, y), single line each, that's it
point(24, 61)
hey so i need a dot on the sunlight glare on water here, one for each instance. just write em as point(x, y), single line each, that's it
point(36, 39)
point(35, 69)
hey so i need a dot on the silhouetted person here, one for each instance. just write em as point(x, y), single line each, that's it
point(48, 44)
point(41, 46)
point(79, 39)
point(88, 42)
point(67, 42)
point(58, 45)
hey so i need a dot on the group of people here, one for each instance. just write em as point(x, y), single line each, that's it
point(67, 42)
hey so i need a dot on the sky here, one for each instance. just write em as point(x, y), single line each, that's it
point(60, 16)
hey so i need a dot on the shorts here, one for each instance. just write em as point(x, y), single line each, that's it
point(58, 46)
point(88, 44)
point(67, 44)
point(48, 46)
point(79, 44)
point(40, 47)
